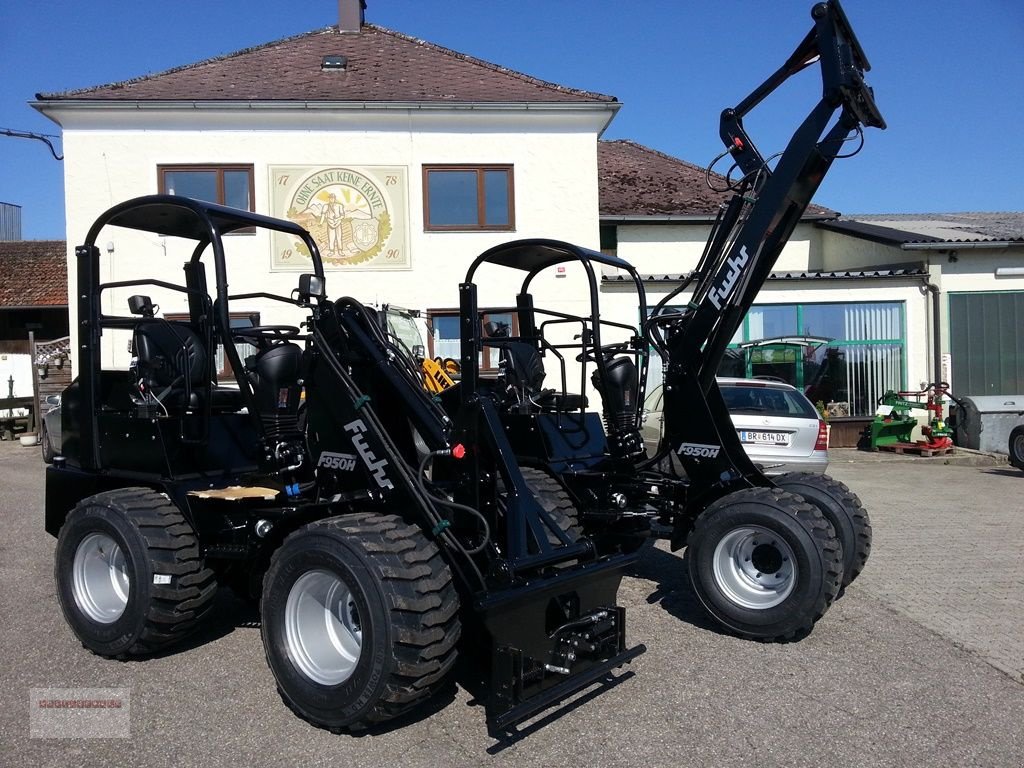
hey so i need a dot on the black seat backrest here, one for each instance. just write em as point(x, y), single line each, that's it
point(274, 376)
point(170, 354)
point(523, 366)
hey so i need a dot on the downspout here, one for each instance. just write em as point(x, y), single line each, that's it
point(933, 289)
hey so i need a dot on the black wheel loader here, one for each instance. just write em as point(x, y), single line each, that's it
point(766, 557)
point(381, 536)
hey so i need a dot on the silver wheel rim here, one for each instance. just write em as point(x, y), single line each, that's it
point(100, 578)
point(322, 629)
point(754, 567)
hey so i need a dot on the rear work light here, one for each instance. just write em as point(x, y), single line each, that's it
point(821, 444)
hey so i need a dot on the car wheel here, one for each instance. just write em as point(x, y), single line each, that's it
point(130, 579)
point(45, 445)
point(359, 620)
point(1016, 447)
point(765, 564)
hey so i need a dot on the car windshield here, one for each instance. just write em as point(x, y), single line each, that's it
point(764, 400)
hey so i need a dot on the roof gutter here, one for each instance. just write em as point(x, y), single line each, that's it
point(46, 106)
point(948, 245)
point(778, 277)
point(685, 218)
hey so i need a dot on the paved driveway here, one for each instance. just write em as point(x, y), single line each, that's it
point(902, 670)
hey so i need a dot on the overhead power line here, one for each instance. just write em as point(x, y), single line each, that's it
point(43, 137)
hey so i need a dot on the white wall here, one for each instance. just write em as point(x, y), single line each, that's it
point(18, 368)
point(666, 249)
point(553, 154)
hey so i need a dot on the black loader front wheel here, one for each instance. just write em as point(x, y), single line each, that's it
point(1016, 447)
point(764, 564)
point(130, 579)
point(360, 620)
point(842, 508)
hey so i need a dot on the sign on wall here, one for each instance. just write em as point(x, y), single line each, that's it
point(357, 216)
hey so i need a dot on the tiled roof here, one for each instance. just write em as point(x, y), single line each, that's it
point(382, 66)
point(33, 273)
point(922, 228)
point(639, 181)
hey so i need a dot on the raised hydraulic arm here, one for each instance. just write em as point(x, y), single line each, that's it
point(749, 235)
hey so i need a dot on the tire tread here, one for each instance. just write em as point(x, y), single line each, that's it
point(423, 609)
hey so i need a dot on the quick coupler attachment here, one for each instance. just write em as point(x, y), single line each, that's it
point(552, 637)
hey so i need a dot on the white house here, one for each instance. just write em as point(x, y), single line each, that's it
point(407, 160)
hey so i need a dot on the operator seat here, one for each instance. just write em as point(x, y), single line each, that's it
point(171, 361)
point(524, 372)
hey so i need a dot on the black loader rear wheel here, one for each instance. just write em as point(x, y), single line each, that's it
point(842, 508)
point(765, 564)
point(130, 579)
point(556, 502)
point(1016, 447)
point(360, 620)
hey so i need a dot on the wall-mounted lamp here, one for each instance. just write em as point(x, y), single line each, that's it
point(1009, 271)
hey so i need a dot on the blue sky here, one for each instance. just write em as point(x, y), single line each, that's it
point(947, 76)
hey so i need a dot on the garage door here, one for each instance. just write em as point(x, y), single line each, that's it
point(986, 338)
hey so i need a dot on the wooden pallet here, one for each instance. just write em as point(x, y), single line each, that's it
point(918, 448)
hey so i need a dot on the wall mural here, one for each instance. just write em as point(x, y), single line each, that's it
point(357, 216)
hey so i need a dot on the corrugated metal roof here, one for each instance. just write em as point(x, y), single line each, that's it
point(952, 228)
point(891, 271)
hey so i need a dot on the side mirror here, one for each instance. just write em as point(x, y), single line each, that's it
point(419, 351)
point(53, 400)
point(311, 287)
point(141, 305)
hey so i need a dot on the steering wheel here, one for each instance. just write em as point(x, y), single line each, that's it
point(266, 335)
point(606, 350)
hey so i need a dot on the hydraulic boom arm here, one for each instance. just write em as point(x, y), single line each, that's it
point(767, 203)
point(751, 231)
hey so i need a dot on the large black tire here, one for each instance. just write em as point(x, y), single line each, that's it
point(130, 579)
point(764, 564)
point(386, 640)
point(555, 501)
point(1015, 448)
point(842, 508)
point(45, 444)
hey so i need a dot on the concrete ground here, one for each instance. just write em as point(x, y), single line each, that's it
point(919, 664)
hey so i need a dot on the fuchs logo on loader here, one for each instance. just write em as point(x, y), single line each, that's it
point(344, 462)
point(721, 292)
point(699, 450)
point(375, 465)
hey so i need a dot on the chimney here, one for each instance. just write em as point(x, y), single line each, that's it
point(350, 16)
